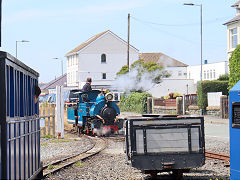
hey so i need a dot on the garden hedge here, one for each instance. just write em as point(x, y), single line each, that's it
point(209, 86)
point(135, 102)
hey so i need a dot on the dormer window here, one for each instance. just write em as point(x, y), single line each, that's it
point(103, 58)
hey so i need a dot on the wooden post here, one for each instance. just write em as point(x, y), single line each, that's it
point(184, 104)
point(53, 121)
point(149, 105)
point(44, 129)
point(179, 103)
point(49, 123)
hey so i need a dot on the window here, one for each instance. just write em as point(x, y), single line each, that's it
point(205, 75)
point(103, 58)
point(179, 73)
point(233, 37)
point(189, 75)
point(210, 74)
point(214, 74)
point(104, 76)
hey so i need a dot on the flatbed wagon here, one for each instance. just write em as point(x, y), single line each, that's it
point(165, 143)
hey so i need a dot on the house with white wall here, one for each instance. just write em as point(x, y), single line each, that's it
point(233, 30)
point(210, 71)
point(175, 68)
point(177, 82)
point(100, 58)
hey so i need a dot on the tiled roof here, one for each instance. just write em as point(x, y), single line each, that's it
point(93, 38)
point(60, 81)
point(161, 59)
point(236, 4)
point(237, 18)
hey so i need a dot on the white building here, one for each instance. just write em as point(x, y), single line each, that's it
point(177, 82)
point(100, 58)
point(177, 69)
point(210, 71)
point(233, 30)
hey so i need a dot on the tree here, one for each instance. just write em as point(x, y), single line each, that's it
point(151, 69)
point(234, 67)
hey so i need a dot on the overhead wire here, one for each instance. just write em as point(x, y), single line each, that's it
point(150, 24)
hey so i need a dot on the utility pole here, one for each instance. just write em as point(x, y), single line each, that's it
point(128, 42)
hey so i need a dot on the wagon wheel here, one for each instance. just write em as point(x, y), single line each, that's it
point(178, 174)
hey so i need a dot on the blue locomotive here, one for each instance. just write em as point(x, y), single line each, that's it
point(95, 113)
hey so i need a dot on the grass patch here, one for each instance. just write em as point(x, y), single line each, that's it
point(48, 137)
point(50, 167)
point(61, 140)
point(44, 144)
point(78, 164)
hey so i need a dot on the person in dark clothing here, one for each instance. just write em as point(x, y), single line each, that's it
point(87, 87)
point(37, 92)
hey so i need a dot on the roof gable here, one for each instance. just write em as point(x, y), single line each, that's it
point(94, 38)
point(161, 59)
point(60, 81)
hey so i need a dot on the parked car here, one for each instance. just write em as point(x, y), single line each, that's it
point(43, 98)
point(72, 95)
point(51, 98)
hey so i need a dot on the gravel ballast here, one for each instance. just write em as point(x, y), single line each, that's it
point(111, 164)
point(54, 149)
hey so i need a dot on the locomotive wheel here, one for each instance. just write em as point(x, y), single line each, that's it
point(178, 174)
point(153, 174)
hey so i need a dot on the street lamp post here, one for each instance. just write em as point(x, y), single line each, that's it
point(61, 62)
point(17, 43)
point(200, 5)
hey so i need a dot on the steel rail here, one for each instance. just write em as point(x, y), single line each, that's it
point(99, 145)
point(212, 155)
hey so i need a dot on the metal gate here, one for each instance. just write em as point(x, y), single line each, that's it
point(20, 130)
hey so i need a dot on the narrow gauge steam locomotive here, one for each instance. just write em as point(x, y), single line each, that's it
point(95, 112)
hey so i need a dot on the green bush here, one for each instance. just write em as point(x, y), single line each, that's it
point(224, 77)
point(234, 67)
point(209, 86)
point(134, 102)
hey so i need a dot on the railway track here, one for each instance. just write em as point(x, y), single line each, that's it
point(99, 145)
point(222, 157)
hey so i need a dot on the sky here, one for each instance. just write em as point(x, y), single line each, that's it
point(55, 27)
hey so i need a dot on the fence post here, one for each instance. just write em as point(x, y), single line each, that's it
point(53, 120)
point(224, 106)
point(59, 112)
point(179, 103)
point(184, 104)
point(49, 124)
point(149, 105)
point(44, 129)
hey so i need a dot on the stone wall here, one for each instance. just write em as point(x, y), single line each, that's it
point(164, 110)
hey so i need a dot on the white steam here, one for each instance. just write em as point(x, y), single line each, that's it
point(133, 82)
point(103, 131)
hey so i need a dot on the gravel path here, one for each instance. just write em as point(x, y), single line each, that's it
point(54, 149)
point(111, 164)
